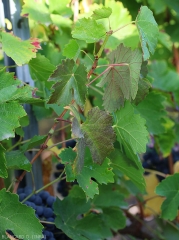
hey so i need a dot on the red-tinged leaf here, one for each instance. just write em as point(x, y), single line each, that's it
point(122, 78)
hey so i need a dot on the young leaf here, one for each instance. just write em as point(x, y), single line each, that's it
point(71, 50)
point(130, 128)
point(148, 31)
point(40, 68)
point(3, 167)
point(70, 84)
point(20, 51)
point(98, 133)
point(17, 160)
point(169, 188)
point(100, 13)
point(153, 103)
point(122, 78)
point(35, 141)
point(12, 215)
point(89, 30)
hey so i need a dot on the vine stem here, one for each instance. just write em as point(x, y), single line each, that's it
point(107, 69)
point(47, 185)
point(43, 147)
point(156, 172)
point(123, 26)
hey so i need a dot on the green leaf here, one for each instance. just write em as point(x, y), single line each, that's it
point(129, 166)
point(90, 225)
point(12, 215)
point(70, 84)
point(121, 80)
point(148, 31)
point(130, 128)
point(166, 142)
point(40, 68)
point(143, 90)
point(100, 13)
point(20, 51)
point(12, 89)
point(169, 188)
point(112, 196)
point(153, 104)
point(88, 30)
point(17, 160)
point(161, 74)
point(36, 10)
point(102, 173)
point(10, 113)
point(35, 141)
point(71, 50)
point(66, 217)
point(98, 133)
point(3, 167)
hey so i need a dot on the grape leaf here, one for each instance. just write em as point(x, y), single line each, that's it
point(12, 89)
point(20, 51)
point(40, 68)
point(71, 50)
point(102, 173)
point(98, 134)
point(70, 84)
point(161, 73)
point(90, 226)
point(10, 113)
point(112, 197)
point(153, 104)
point(130, 128)
point(88, 30)
point(100, 13)
point(12, 215)
point(131, 167)
point(148, 31)
point(3, 167)
point(37, 10)
point(60, 9)
point(143, 90)
point(169, 188)
point(17, 160)
point(122, 80)
point(66, 217)
point(35, 141)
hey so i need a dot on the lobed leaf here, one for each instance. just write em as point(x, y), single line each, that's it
point(89, 30)
point(70, 84)
point(71, 50)
point(17, 160)
point(20, 51)
point(169, 188)
point(98, 134)
point(130, 129)
point(122, 77)
point(148, 31)
point(40, 68)
point(100, 13)
point(12, 215)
